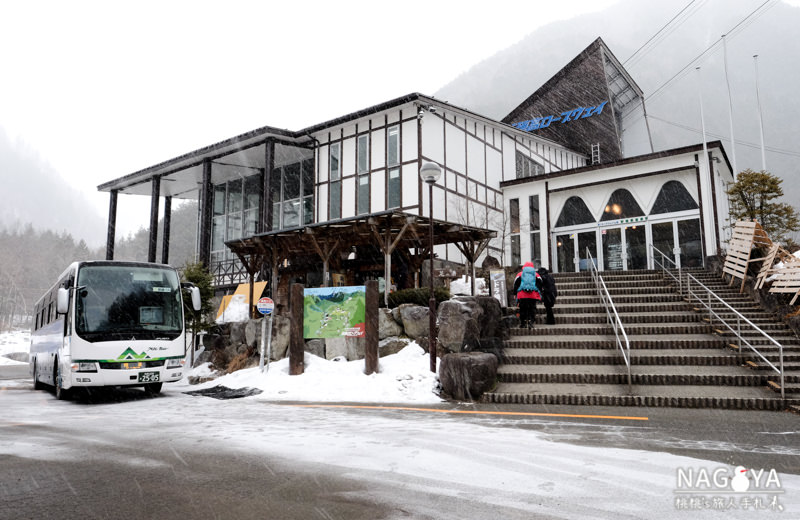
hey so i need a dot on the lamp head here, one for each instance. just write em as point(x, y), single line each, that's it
point(430, 172)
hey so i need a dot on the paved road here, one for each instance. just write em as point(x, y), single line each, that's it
point(122, 455)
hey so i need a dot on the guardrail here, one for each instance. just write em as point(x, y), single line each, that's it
point(705, 297)
point(612, 315)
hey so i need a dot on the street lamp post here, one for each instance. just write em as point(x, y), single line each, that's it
point(430, 173)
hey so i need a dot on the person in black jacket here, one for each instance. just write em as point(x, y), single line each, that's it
point(549, 293)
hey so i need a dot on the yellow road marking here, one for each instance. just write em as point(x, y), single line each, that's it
point(471, 412)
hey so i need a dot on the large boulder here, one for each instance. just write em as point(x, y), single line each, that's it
point(459, 324)
point(356, 347)
point(252, 333)
point(387, 325)
point(491, 322)
point(316, 347)
point(335, 347)
point(238, 331)
point(416, 320)
point(467, 375)
point(281, 329)
point(391, 346)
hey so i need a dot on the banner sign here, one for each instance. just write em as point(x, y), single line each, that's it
point(498, 284)
point(333, 312)
point(570, 115)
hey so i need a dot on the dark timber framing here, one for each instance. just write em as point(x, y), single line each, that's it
point(389, 230)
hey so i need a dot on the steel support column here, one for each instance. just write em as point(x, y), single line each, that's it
point(206, 206)
point(165, 238)
point(154, 195)
point(112, 225)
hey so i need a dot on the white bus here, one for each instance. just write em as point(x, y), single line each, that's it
point(110, 323)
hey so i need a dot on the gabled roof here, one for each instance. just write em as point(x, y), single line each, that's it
point(591, 50)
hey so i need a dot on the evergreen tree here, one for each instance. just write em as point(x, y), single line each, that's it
point(753, 197)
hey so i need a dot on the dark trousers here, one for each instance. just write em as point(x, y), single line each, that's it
point(527, 311)
point(551, 320)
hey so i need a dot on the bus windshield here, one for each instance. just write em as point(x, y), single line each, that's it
point(127, 302)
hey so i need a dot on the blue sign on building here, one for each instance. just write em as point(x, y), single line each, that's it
point(565, 117)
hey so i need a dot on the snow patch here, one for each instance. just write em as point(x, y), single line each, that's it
point(462, 286)
point(404, 377)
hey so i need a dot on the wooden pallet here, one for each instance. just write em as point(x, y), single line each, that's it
point(746, 237)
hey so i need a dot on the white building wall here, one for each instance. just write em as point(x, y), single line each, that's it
point(408, 134)
point(378, 149)
point(348, 197)
point(348, 156)
point(378, 191)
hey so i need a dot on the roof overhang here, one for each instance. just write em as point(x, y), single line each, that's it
point(402, 230)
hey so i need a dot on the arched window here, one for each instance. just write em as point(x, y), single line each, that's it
point(575, 212)
point(673, 197)
point(621, 204)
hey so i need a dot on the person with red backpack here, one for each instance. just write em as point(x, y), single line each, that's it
point(528, 287)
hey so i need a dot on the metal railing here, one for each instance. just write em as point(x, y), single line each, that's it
point(706, 297)
point(613, 317)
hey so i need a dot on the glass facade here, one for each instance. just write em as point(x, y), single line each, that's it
point(235, 210)
point(335, 175)
point(292, 187)
point(536, 245)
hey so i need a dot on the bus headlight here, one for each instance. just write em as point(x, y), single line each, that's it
point(175, 363)
point(84, 366)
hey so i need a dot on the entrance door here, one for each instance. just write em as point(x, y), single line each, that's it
point(664, 240)
point(690, 242)
point(587, 240)
point(612, 250)
point(636, 246)
point(565, 253)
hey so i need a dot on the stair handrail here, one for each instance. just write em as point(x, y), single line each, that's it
point(709, 295)
point(663, 265)
point(612, 315)
point(705, 296)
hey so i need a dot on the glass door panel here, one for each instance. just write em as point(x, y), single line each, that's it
point(587, 239)
point(691, 243)
point(664, 240)
point(565, 253)
point(636, 243)
point(612, 250)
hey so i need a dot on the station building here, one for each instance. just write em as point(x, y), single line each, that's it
point(568, 177)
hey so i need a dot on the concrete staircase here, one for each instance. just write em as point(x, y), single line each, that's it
point(678, 358)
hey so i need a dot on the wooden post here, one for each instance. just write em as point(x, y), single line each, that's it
point(371, 328)
point(296, 344)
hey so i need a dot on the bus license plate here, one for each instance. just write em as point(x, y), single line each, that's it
point(149, 377)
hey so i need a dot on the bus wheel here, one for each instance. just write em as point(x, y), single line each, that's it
point(152, 388)
point(61, 392)
point(37, 385)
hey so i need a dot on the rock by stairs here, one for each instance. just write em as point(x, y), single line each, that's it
point(678, 358)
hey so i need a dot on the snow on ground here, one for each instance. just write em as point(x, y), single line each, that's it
point(404, 377)
point(14, 341)
point(464, 286)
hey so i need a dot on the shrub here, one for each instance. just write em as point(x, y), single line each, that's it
point(417, 296)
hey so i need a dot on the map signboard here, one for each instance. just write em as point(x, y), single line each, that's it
point(332, 312)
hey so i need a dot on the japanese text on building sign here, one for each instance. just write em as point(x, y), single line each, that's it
point(565, 117)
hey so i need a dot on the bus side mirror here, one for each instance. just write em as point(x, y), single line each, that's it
point(62, 301)
point(196, 301)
